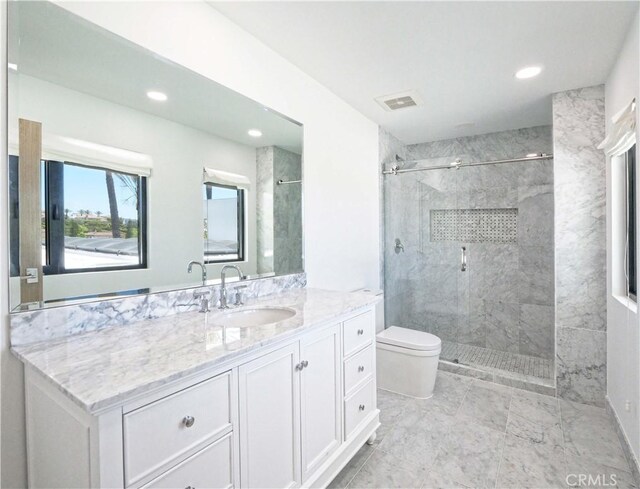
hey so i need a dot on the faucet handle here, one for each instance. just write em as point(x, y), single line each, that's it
point(238, 291)
point(201, 292)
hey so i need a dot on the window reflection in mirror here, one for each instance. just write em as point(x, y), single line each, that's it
point(121, 201)
point(224, 231)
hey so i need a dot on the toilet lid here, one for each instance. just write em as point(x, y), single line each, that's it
point(409, 338)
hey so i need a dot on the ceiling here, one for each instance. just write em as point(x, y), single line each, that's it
point(49, 43)
point(460, 57)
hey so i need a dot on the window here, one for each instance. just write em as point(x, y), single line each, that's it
point(630, 164)
point(223, 223)
point(93, 218)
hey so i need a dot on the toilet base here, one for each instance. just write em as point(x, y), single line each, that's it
point(407, 372)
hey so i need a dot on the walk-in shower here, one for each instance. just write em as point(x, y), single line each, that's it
point(476, 263)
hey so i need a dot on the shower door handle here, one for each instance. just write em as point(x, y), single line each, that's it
point(463, 259)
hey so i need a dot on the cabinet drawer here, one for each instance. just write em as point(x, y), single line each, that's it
point(358, 406)
point(358, 369)
point(357, 332)
point(211, 467)
point(161, 432)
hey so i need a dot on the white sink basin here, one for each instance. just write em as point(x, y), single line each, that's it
point(256, 316)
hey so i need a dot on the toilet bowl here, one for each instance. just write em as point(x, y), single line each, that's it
point(407, 361)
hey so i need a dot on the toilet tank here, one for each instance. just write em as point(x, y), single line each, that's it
point(379, 306)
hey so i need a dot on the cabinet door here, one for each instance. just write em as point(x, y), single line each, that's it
point(320, 397)
point(270, 420)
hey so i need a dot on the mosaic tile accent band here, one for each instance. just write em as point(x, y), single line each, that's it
point(474, 225)
point(476, 356)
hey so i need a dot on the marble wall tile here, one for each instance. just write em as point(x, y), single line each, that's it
point(581, 287)
point(536, 275)
point(264, 209)
point(495, 273)
point(536, 330)
point(579, 172)
point(287, 213)
point(58, 322)
point(535, 215)
point(581, 365)
point(500, 323)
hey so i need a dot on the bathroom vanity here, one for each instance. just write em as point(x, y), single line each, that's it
point(200, 400)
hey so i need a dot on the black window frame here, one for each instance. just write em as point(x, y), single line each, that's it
point(241, 251)
point(631, 251)
point(53, 178)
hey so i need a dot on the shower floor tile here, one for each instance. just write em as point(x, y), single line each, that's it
point(495, 360)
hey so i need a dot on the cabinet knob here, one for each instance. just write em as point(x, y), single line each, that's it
point(305, 363)
point(360, 332)
point(361, 368)
point(361, 407)
point(188, 422)
point(189, 487)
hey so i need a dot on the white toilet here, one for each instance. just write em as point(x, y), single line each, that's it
point(407, 361)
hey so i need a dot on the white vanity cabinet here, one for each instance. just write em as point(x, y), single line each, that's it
point(285, 415)
point(290, 411)
point(270, 417)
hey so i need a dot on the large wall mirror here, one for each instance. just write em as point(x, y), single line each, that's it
point(123, 167)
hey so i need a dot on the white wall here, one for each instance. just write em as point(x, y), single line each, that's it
point(623, 354)
point(341, 193)
point(179, 154)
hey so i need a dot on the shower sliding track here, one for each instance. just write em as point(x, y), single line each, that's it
point(396, 170)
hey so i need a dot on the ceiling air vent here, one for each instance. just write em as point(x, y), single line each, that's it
point(399, 101)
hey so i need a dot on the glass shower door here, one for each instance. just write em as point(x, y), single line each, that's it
point(422, 258)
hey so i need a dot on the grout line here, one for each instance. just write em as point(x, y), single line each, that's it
point(504, 442)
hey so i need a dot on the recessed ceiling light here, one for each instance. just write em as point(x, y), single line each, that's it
point(254, 133)
point(157, 96)
point(528, 72)
point(12, 66)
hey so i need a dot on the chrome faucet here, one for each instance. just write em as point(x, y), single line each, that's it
point(204, 270)
point(203, 295)
point(223, 288)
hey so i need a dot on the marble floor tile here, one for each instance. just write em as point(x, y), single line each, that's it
point(391, 407)
point(383, 470)
point(448, 393)
point(589, 434)
point(470, 455)
point(536, 418)
point(436, 480)
point(417, 437)
point(486, 404)
point(527, 464)
point(351, 469)
point(601, 475)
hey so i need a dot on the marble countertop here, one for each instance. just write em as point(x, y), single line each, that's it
point(102, 369)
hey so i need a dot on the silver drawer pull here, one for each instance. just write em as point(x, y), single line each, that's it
point(361, 407)
point(188, 422)
point(189, 487)
point(361, 368)
point(360, 332)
